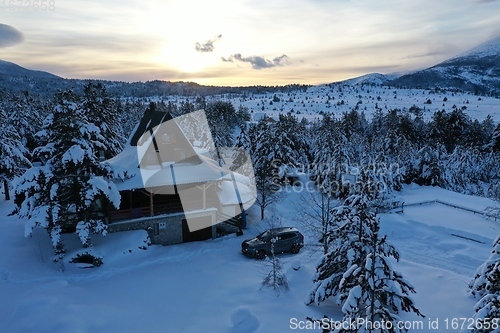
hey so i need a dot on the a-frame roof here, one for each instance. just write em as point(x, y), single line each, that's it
point(150, 119)
point(159, 135)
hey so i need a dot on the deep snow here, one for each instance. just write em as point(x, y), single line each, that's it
point(211, 287)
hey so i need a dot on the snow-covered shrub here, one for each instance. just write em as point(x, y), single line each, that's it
point(87, 258)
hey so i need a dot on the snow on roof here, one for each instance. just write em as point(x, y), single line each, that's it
point(183, 173)
point(167, 174)
point(228, 196)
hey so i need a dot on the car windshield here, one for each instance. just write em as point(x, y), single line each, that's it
point(265, 236)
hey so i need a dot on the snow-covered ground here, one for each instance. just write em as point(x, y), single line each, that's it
point(211, 287)
point(338, 98)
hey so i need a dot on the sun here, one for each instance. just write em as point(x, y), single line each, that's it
point(185, 58)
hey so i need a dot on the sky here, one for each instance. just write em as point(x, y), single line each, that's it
point(233, 42)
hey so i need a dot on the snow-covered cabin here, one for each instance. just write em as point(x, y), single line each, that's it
point(172, 190)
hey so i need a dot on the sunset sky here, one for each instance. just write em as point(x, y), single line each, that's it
point(231, 42)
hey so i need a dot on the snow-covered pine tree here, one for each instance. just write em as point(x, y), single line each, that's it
point(483, 282)
point(378, 178)
point(331, 156)
point(358, 272)
point(65, 192)
point(102, 110)
point(487, 312)
point(266, 172)
point(242, 115)
point(494, 143)
point(430, 165)
point(221, 117)
point(344, 232)
point(13, 153)
point(353, 122)
point(322, 168)
point(486, 287)
point(290, 138)
point(274, 275)
point(494, 193)
point(285, 149)
point(465, 170)
point(130, 114)
point(243, 151)
point(275, 278)
point(371, 291)
point(25, 114)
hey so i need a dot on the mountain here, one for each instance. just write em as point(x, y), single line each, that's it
point(10, 69)
point(373, 78)
point(476, 70)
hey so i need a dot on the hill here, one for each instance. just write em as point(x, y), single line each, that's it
point(476, 70)
point(11, 69)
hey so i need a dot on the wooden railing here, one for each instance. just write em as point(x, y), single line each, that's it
point(158, 209)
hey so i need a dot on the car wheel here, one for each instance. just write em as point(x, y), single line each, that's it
point(260, 254)
point(295, 248)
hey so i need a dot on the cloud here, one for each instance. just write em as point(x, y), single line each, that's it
point(485, 1)
point(208, 46)
point(259, 62)
point(9, 35)
point(442, 49)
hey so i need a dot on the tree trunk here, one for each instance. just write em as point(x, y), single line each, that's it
point(262, 212)
point(6, 189)
point(325, 219)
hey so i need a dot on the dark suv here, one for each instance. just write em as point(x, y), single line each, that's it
point(286, 240)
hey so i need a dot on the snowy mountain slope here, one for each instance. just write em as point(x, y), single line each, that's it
point(11, 69)
point(486, 49)
point(210, 286)
point(477, 70)
point(373, 79)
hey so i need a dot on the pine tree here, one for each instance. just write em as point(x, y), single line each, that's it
point(275, 278)
point(429, 165)
point(371, 291)
point(358, 273)
point(265, 169)
point(487, 312)
point(494, 144)
point(65, 193)
point(464, 171)
point(103, 112)
point(486, 287)
point(353, 122)
point(13, 153)
point(242, 152)
point(483, 282)
point(344, 232)
point(25, 114)
point(284, 145)
point(331, 157)
point(222, 119)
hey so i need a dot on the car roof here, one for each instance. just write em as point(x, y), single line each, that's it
point(284, 229)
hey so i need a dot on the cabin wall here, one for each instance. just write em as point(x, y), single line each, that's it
point(164, 230)
point(168, 229)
